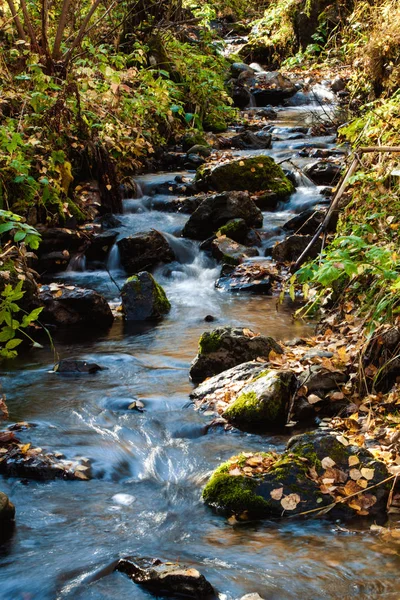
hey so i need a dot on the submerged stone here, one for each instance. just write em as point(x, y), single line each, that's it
point(143, 299)
point(72, 365)
point(167, 579)
point(7, 510)
point(226, 347)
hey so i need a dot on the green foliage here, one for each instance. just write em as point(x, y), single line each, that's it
point(22, 232)
point(10, 326)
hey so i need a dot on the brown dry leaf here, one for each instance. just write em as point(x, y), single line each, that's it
point(342, 440)
point(249, 333)
point(290, 502)
point(80, 475)
point(275, 357)
point(337, 396)
point(363, 483)
point(254, 461)
point(327, 462)
point(277, 493)
point(353, 460)
point(368, 473)
point(351, 487)
point(3, 409)
point(313, 399)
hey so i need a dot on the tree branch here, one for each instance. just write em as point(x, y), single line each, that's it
point(60, 29)
point(17, 20)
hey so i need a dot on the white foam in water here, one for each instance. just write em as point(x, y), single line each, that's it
point(114, 261)
point(123, 499)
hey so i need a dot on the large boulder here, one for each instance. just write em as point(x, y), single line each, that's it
point(264, 403)
point(216, 211)
point(291, 248)
point(167, 579)
point(252, 174)
point(226, 347)
point(307, 222)
point(324, 172)
point(272, 88)
point(143, 299)
point(144, 250)
point(7, 511)
point(318, 472)
point(101, 245)
point(250, 141)
point(66, 306)
point(59, 238)
point(230, 252)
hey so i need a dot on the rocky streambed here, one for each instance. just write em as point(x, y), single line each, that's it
point(127, 445)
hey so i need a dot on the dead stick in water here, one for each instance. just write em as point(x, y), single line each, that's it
point(335, 201)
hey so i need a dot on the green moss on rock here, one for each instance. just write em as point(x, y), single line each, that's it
point(209, 342)
point(254, 174)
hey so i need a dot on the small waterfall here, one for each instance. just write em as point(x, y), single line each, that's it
point(77, 263)
point(114, 261)
point(139, 191)
point(185, 250)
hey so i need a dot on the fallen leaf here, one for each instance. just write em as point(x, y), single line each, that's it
point(277, 493)
point(355, 474)
point(368, 473)
point(290, 502)
point(313, 399)
point(327, 462)
point(353, 460)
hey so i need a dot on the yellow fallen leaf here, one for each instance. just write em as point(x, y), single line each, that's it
point(327, 462)
point(355, 474)
point(368, 473)
point(353, 460)
point(313, 399)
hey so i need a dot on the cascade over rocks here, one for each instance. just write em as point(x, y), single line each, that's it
point(144, 250)
point(67, 306)
point(143, 299)
point(315, 470)
point(252, 174)
point(226, 347)
point(101, 245)
point(216, 211)
point(172, 579)
point(264, 403)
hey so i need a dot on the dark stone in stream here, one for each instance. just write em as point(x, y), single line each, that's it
point(109, 221)
point(230, 252)
point(306, 222)
point(293, 482)
point(250, 141)
point(182, 205)
point(53, 262)
point(216, 211)
point(237, 68)
point(292, 247)
point(210, 318)
point(226, 347)
point(7, 512)
point(241, 96)
point(101, 245)
point(167, 579)
point(143, 299)
point(252, 277)
point(59, 238)
point(72, 365)
point(323, 172)
point(144, 250)
point(67, 306)
point(272, 88)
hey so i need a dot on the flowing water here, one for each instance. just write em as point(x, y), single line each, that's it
point(149, 468)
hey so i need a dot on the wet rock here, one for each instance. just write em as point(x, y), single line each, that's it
point(7, 511)
point(253, 277)
point(73, 365)
point(109, 221)
point(224, 348)
point(267, 113)
point(251, 597)
point(238, 376)
point(272, 88)
point(251, 174)
point(101, 245)
point(250, 141)
point(24, 460)
point(143, 299)
point(144, 250)
point(53, 262)
point(338, 84)
point(193, 139)
point(235, 229)
point(307, 222)
point(172, 579)
point(292, 247)
point(66, 306)
point(323, 172)
point(241, 96)
point(311, 474)
point(230, 252)
point(320, 379)
point(209, 318)
point(203, 151)
point(263, 404)
point(59, 238)
point(216, 211)
point(194, 161)
point(182, 205)
point(237, 68)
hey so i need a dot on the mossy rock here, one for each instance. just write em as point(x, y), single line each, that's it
point(226, 347)
point(215, 124)
point(235, 229)
point(195, 138)
point(293, 483)
point(254, 174)
point(230, 252)
point(264, 403)
point(143, 299)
